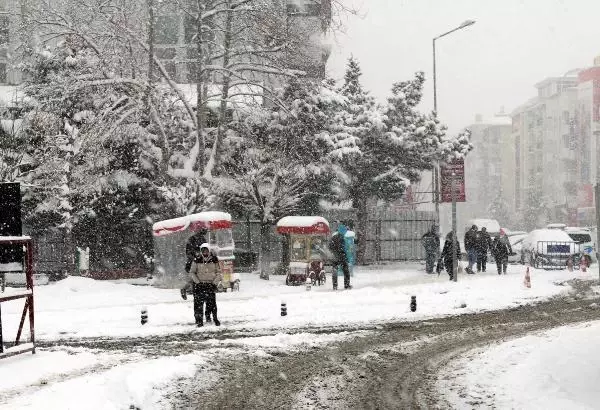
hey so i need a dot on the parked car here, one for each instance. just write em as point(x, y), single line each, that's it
point(583, 237)
point(516, 243)
point(491, 225)
point(549, 248)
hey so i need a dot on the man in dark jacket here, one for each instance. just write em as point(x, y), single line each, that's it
point(501, 249)
point(337, 246)
point(471, 247)
point(483, 243)
point(192, 248)
point(431, 243)
point(205, 274)
point(447, 253)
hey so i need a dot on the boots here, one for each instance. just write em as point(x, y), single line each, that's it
point(217, 322)
point(183, 294)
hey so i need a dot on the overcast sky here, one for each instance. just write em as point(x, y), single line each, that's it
point(480, 69)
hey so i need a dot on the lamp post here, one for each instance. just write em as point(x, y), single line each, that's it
point(435, 173)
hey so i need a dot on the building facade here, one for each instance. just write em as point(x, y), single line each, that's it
point(489, 167)
point(545, 157)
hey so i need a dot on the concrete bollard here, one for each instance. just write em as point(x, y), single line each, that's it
point(283, 309)
point(144, 316)
point(413, 303)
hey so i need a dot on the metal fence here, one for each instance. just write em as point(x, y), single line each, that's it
point(392, 235)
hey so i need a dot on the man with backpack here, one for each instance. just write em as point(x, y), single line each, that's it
point(337, 246)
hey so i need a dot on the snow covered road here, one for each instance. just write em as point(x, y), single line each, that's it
point(555, 369)
point(93, 343)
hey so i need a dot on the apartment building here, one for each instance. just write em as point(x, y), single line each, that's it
point(489, 168)
point(306, 20)
point(544, 131)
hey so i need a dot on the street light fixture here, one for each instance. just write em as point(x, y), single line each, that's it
point(435, 173)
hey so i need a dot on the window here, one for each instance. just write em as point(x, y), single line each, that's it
point(3, 73)
point(166, 53)
point(4, 32)
point(299, 249)
point(167, 30)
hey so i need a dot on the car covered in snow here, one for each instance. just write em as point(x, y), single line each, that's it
point(549, 248)
point(491, 225)
point(516, 244)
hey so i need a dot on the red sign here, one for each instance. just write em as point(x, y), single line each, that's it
point(454, 170)
point(585, 196)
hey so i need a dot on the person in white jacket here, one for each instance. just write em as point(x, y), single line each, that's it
point(205, 272)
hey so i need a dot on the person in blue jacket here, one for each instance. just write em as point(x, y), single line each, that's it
point(338, 249)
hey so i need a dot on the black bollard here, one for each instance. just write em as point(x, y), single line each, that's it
point(413, 303)
point(283, 309)
point(144, 316)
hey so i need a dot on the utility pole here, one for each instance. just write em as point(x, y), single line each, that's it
point(455, 237)
point(435, 174)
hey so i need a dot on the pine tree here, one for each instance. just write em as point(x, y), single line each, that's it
point(396, 144)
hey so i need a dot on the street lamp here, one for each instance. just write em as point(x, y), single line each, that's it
point(435, 172)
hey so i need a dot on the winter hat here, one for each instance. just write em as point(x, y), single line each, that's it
point(342, 229)
point(474, 227)
point(204, 246)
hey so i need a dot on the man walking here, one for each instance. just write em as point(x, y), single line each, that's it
point(501, 249)
point(337, 246)
point(471, 248)
point(205, 273)
point(431, 243)
point(484, 241)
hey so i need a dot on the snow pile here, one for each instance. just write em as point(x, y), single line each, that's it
point(557, 369)
point(140, 384)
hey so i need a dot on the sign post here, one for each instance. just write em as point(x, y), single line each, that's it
point(453, 190)
point(454, 171)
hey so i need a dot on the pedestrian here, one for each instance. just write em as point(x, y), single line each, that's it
point(447, 254)
point(192, 247)
point(501, 249)
point(431, 243)
point(337, 246)
point(483, 244)
point(205, 272)
point(471, 248)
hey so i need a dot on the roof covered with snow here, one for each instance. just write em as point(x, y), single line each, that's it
point(303, 225)
point(207, 220)
point(539, 239)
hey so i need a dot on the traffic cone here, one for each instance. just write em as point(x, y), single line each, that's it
point(527, 281)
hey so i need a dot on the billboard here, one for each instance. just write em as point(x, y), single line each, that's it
point(454, 170)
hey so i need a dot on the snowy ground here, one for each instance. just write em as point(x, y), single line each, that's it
point(557, 369)
point(79, 308)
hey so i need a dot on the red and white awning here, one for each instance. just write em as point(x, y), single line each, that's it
point(212, 221)
point(303, 225)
